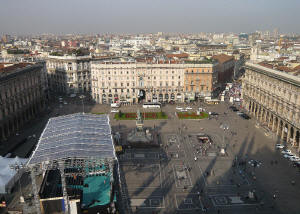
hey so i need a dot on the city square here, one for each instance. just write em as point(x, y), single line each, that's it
point(177, 178)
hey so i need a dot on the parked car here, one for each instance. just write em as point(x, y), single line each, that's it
point(288, 156)
point(183, 110)
point(245, 116)
point(214, 113)
point(178, 108)
point(65, 103)
point(286, 152)
point(114, 110)
point(279, 146)
point(188, 108)
point(294, 158)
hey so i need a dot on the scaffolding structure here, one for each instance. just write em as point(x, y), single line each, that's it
point(78, 141)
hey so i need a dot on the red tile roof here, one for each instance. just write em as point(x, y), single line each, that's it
point(182, 55)
point(222, 58)
point(12, 67)
point(285, 69)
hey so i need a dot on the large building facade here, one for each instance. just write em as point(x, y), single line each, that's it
point(151, 82)
point(273, 98)
point(69, 74)
point(22, 96)
point(200, 80)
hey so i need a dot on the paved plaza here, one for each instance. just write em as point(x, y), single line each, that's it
point(185, 175)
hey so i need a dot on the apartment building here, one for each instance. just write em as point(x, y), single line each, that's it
point(133, 82)
point(272, 97)
point(69, 74)
point(200, 80)
point(23, 94)
point(151, 82)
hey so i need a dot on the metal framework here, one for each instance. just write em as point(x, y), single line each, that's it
point(75, 141)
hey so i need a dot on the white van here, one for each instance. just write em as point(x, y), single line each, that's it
point(115, 105)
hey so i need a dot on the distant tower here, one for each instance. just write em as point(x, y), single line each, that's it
point(275, 33)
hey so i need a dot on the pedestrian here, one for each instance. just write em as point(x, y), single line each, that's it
point(274, 196)
point(293, 182)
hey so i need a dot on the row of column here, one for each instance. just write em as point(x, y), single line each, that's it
point(283, 129)
point(12, 125)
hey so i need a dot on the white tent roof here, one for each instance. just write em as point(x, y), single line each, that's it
point(6, 173)
point(76, 135)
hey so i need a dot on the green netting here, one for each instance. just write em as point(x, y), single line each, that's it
point(96, 191)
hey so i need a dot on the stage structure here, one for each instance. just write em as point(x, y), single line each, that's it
point(76, 157)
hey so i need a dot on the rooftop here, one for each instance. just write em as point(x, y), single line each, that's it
point(7, 67)
point(274, 73)
point(223, 58)
point(76, 135)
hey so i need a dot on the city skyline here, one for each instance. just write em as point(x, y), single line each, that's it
point(73, 16)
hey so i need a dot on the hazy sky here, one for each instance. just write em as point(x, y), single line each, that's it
point(144, 16)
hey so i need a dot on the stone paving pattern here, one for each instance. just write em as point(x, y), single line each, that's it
point(151, 182)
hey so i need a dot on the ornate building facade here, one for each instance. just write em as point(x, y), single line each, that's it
point(273, 98)
point(131, 82)
point(200, 80)
point(69, 74)
point(23, 91)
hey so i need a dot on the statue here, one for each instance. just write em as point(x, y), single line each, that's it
point(139, 120)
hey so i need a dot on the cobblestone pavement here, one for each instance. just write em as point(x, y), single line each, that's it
point(170, 180)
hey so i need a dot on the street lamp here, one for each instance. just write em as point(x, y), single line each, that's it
point(82, 97)
point(224, 127)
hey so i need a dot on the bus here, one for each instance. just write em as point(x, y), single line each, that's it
point(151, 105)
